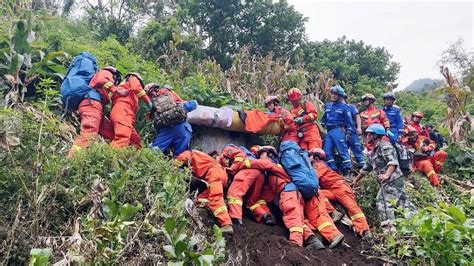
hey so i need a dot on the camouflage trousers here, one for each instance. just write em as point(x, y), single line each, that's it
point(389, 193)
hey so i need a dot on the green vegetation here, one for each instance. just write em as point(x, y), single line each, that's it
point(107, 206)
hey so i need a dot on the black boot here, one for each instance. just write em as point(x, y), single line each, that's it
point(237, 222)
point(313, 243)
point(268, 219)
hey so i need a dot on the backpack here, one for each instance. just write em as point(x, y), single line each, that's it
point(168, 112)
point(296, 163)
point(75, 86)
point(404, 159)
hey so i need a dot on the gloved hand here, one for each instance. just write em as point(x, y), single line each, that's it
point(190, 105)
point(389, 134)
point(150, 106)
point(298, 120)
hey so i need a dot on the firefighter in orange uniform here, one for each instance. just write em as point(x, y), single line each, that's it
point(124, 109)
point(246, 182)
point(306, 116)
point(334, 188)
point(415, 122)
point(287, 125)
point(290, 199)
point(425, 158)
point(91, 110)
point(209, 170)
point(373, 115)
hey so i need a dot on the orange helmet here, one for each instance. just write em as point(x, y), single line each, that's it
point(294, 94)
point(318, 152)
point(255, 149)
point(418, 114)
point(369, 96)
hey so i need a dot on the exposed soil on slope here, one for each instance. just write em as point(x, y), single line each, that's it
point(258, 244)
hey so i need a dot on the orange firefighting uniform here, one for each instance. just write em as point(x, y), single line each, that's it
point(431, 166)
point(318, 217)
point(290, 202)
point(91, 113)
point(311, 138)
point(374, 115)
point(420, 129)
point(208, 169)
point(246, 182)
point(123, 112)
point(334, 188)
point(287, 126)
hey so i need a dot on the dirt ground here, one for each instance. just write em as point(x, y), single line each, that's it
point(258, 244)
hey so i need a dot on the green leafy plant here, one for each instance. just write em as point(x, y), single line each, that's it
point(183, 250)
point(40, 257)
point(437, 235)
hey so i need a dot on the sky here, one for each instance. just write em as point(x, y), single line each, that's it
point(414, 32)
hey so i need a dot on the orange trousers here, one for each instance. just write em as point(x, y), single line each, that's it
point(213, 196)
point(93, 123)
point(249, 183)
point(431, 167)
point(311, 139)
point(291, 205)
point(318, 217)
point(123, 118)
point(342, 193)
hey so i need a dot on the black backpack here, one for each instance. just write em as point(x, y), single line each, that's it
point(404, 159)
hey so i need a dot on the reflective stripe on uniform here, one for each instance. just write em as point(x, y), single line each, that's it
point(247, 163)
point(439, 162)
point(238, 159)
point(296, 229)
point(324, 225)
point(312, 116)
point(219, 210)
point(357, 216)
point(430, 173)
point(108, 84)
point(76, 148)
point(346, 161)
point(235, 201)
point(258, 203)
point(141, 93)
point(329, 161)
point(202, 202)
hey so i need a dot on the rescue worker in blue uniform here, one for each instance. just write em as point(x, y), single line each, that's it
point(354, 141)
point(175, 138)
point(394, 115)
point(338, 122)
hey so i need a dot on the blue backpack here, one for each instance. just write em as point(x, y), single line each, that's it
point(296, 163)
point(75, 86)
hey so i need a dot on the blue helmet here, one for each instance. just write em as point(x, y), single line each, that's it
point(389, 95)
point(337, 90)
point(377, 129)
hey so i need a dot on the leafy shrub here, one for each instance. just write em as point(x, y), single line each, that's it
point(460, 161)
point(436, 235)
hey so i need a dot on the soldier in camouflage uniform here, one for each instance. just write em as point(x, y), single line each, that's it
point(383, 160)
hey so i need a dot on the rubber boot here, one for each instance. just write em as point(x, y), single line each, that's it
point(268, 219)
point(237, 222)
point(313, 242)
point(336, 241)
point(336, 216)
point(227, 230)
